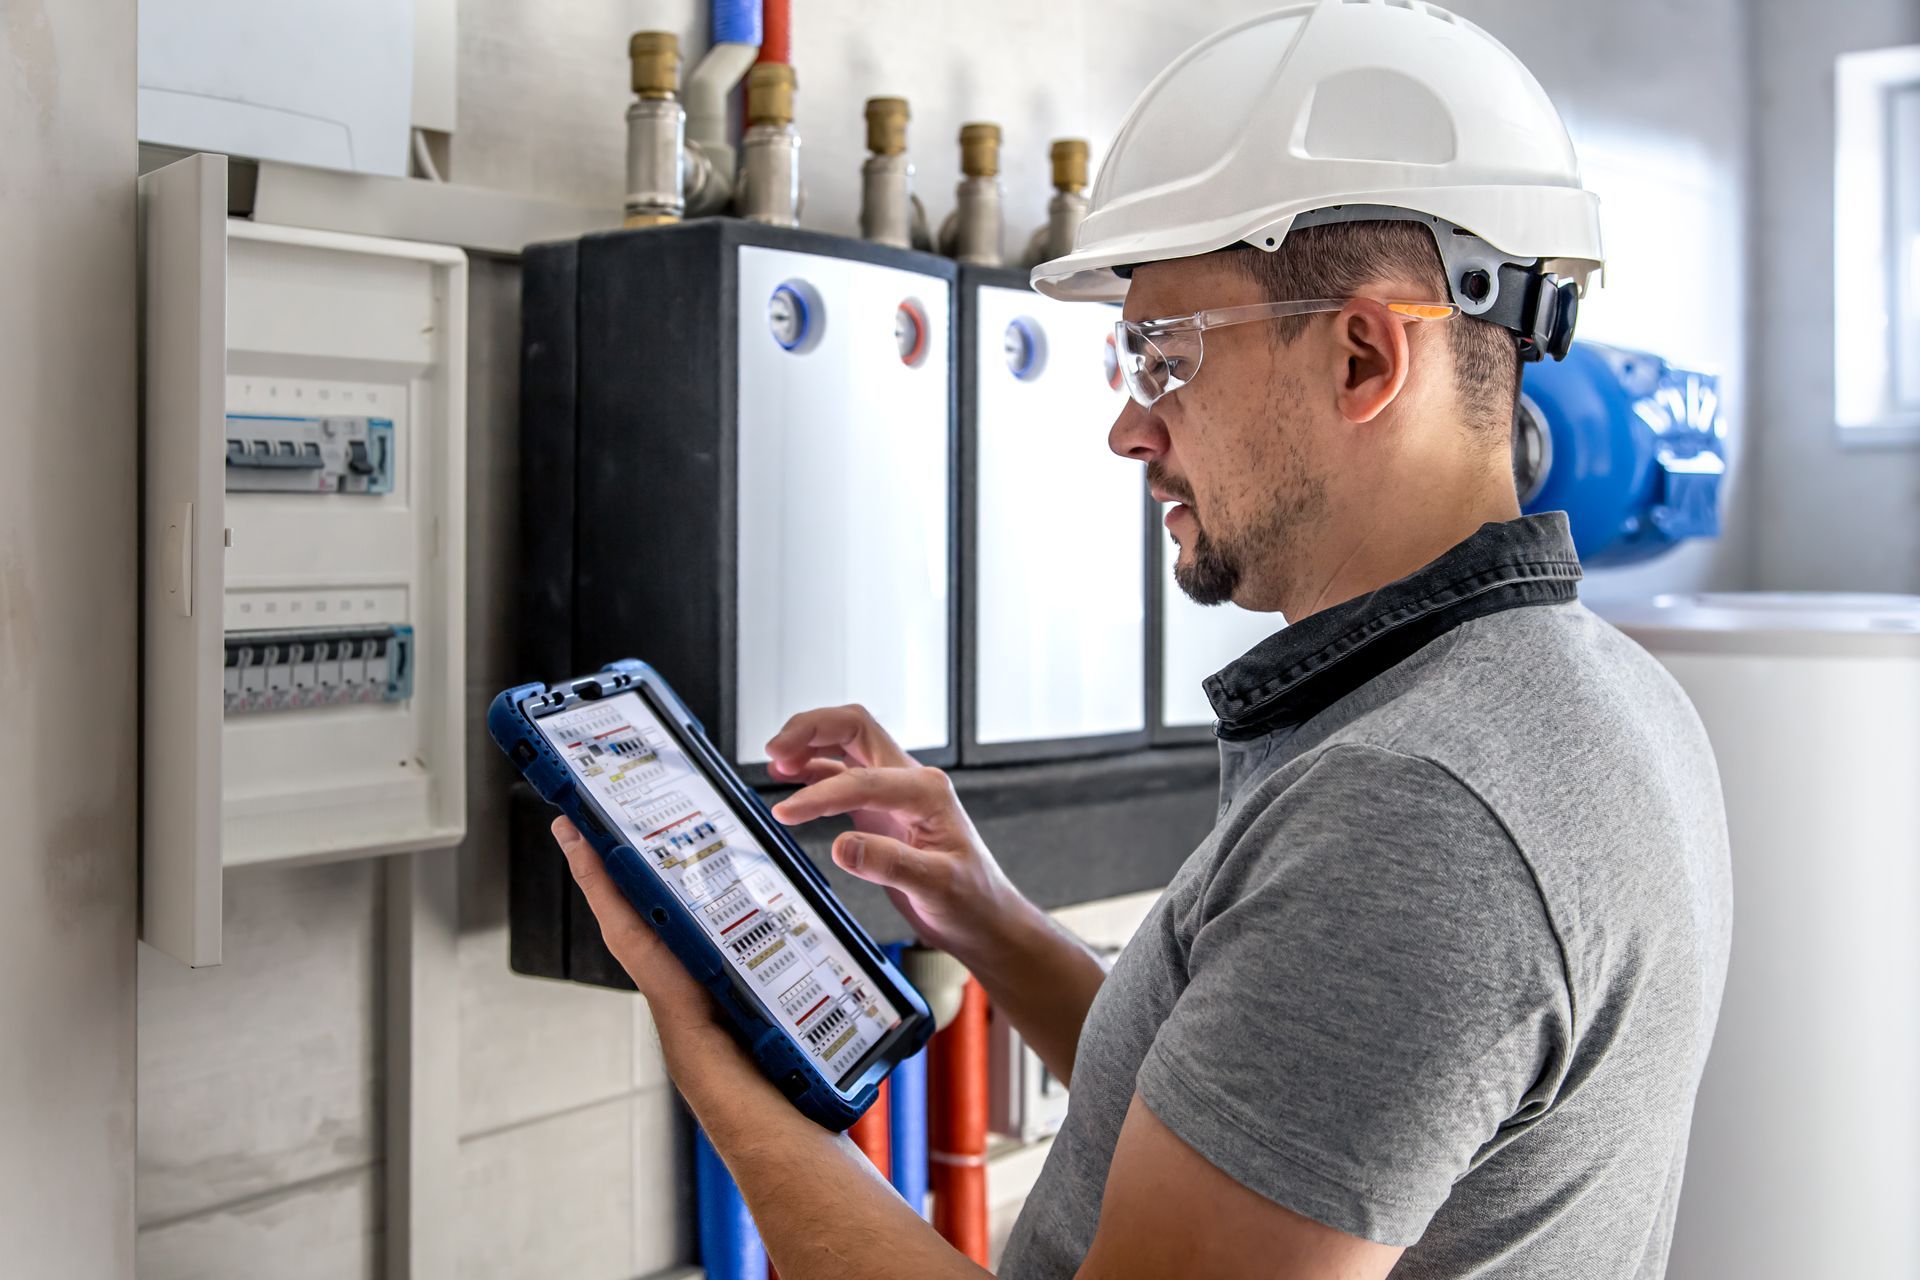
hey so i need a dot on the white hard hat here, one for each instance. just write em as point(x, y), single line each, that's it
point(1341, 110)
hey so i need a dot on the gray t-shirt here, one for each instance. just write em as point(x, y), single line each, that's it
point(1445, 972)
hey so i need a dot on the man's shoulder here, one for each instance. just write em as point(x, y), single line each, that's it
point(1538, 707)
point(1583, 750)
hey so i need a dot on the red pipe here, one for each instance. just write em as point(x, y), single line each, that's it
point(872, 1132)
point(957, 1124)
point(776, 27)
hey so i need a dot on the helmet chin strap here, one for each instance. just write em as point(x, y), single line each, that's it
point(1514, 293)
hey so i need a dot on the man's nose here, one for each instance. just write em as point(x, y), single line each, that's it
point(1137, 433)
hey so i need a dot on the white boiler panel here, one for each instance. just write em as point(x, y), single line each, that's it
point(845, 491)
point(1058, 561)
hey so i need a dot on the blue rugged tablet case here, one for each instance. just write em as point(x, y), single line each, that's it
point(778, 1057)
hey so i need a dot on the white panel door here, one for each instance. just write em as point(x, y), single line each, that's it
point(183, 242)
point(844, 479)
point(1059, 561)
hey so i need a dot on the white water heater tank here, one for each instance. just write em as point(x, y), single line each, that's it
point(1805, 1151)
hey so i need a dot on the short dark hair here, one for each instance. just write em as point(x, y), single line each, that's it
point(1333, 260)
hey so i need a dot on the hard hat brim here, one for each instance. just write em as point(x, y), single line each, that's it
point(1558, 226)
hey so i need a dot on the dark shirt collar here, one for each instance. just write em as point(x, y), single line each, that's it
point(1296, 673)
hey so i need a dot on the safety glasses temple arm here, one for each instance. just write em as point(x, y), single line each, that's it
point(1218, 317)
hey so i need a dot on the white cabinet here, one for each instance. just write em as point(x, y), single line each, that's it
point(304, 528)
point(1054, 556)
point(845, 478)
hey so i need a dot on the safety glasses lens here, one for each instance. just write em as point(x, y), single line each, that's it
point(1142, 366)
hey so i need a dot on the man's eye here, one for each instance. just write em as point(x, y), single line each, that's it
point(1179, 368)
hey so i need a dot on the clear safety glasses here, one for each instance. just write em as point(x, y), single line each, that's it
point(1161, 356)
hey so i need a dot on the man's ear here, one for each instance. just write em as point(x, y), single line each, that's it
point(1371, 359)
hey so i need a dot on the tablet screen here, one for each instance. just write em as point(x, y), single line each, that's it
point(807, 979)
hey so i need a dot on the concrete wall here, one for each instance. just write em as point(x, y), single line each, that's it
point(1835, 519)
point(68, 657)
point(261, 1106)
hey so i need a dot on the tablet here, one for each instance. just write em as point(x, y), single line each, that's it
point(693, 847)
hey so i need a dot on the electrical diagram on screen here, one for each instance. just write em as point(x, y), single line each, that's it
point(771, 934)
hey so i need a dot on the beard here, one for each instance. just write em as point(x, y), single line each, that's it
point(1217, 562)
point(1210, 571)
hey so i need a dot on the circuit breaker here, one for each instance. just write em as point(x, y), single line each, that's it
point(738, 465)
point(304, 548)
point(1054, 552)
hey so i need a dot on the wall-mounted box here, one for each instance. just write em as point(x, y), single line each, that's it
point(1053, 557)
point(1189, 642)
point(318, 82)
point(304, 530)
point(738, 465)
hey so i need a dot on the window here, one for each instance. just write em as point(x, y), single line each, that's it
point(1877, 245)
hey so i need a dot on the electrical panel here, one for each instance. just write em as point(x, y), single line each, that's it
point(1053, 537)
point(738, 465)
point(305, 548)
point(1190, 643)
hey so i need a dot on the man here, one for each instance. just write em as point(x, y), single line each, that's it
point(1433, 997)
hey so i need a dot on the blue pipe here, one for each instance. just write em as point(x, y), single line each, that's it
point(736, 22)
point(730, 1247)
point(907, 1123)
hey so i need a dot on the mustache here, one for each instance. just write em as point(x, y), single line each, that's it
point(1158, 477)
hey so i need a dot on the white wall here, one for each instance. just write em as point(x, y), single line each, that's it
point(1833, 519)
point(68, 661)
point(261, 1107)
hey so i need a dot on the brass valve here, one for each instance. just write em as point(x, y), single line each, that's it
point(1069, 157)
point(656, 63)
point(887, 126)
point(980, 150)
point(770, 88)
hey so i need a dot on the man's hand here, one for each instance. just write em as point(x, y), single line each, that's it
point(682, 1011)
point(794, 1174)
point(911, 835)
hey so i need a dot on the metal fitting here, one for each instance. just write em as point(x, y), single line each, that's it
point(886, 179)
point(769, 189)
point(972, 233)
point(656, 63)
point(1069, 156)
point(887, 126)
point(1069, 205)
point(656, 161)
point(770, 87)
point(980, 150)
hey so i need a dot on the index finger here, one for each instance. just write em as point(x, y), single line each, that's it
point(920, 792)
point(849, 729)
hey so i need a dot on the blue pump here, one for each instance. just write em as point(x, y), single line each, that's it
point(1631, 448)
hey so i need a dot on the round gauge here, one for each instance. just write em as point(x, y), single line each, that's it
point(910, 332)
point(788, 316)
point(1026, 349)
point(1112, 356)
